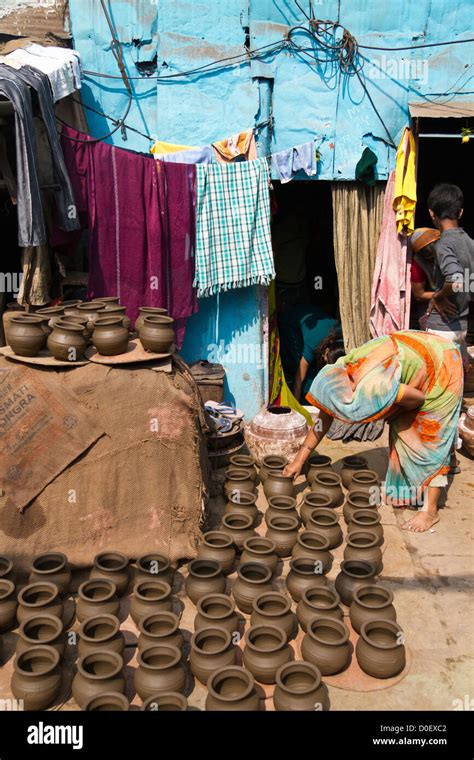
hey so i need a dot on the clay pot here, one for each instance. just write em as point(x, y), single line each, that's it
point(317, 463)
point(67, 342)
point(211, 648)
point(108, 702)
point(328, 483)
point(110, 336)
point(326, 523)
point(253, 579)
point(350, 465)
point(216, 611)
point(8, 604)
point(41, 630)
point(266, 650)
point(114, 567)
point(371, 603)
point(26, 336)
point(97, 597)
point(299, 688)
point(356, 500)
point(160, 628)
point(272, 608)
point(242, 503)
point(52, 313)
point(244, 462)
point(155, 567)
point(6, 568)
point(83, 321)
point(317, 602)
point(281, 505)
point(238, 481)
point(303, 575)
point(37, 677)
point(157, 334)
point(232, 689)
point(363, 545)
point(284, 532)
point(379, 649)
point(37, 598)
point(316, 547)
point(159, 671)
point(115, 310)
point(150, 597)
point(92, 310)
point(101, 632)
point(238, 528)
point(97, 673)
point(217, 545)
point(51, 567)
point(367, 481)
point(353, 575)
point(313, 501)
point(326, 645)
point(271, 463)
point(148, 311)
point(277, 484)
point(170, 702)
point(109, 301)
point(367, 520)
point(260, 550)
point(205, 577)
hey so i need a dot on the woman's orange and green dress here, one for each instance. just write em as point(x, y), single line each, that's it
point(365, 386)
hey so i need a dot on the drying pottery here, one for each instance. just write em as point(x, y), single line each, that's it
point(242, 503)
point(317, 463)
point(108, 702)
point(260, 550)
point(109, 301)
point(148, 311)
point(52, 313)
point(232, 689)
point(67, 342)
point(244, 462)
point(37, 598)
point(51, 567)
point(326, 645)
point(371, 603)
point(114, 567)
point(97, 597)
point(313, 501)
point(328, 483)
point(159, 671)
point(83, 321)
point(155, 567)
point(8, 604)
point(238, 528)
point(326, 523)
point(115, 310)
point(253, 579)
point(26, 336)
point(271, 463)
point(367, 481)
point(97, 673)
point(299, 688)
point(380, 650)
point(317, 602)
point(157, 334)
point(363, 545)
point(281, 505)
point(216, 611)
point(101, 632)
point(304, 574)
point(350, 465)
point(316, 547)
point(278, 484)
point(6, 568)
point(275, 430)
point(160, 628)
point(169, 702)
point(218, 545)
point(367, 520)
point(37, 677)
point(205, 577)
point(284, 532)
point(237, 482)
point(110, 337)
point(353, 575)
point(41, 630)
point(356, 500)
point(266, 650)
point(272, 608)
point(211, 649)
point(150, 596)
point(92, 310)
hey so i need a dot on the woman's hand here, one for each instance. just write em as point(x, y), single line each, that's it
point(293, 469)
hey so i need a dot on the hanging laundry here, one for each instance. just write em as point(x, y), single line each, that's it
point(61, 54)
point(60, 73)
point(233, 241)
point(240, 146)
point(286, 163)
point(404, 194)
point(191, 156)
point(161, 147)
point(365, 169)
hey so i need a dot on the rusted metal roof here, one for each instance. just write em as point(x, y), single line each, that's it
point(452, 110)
point(39, 20)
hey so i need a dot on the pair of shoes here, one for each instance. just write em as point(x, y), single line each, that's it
point(225, 409)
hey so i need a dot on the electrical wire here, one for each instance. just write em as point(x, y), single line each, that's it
point(418, 47)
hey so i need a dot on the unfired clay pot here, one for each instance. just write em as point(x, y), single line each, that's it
point(326, 523)
point(261, 550)
point(97, 673)
point(51, 567)
point(41, 630)
point(368, 481)
point(78, 320)
point(211, 648)
point(6, 568)
point(148, 311)
point(53, 313)
point(110, 301)
point(299, 688)
point(26, 336)
point(271, 463)
point(217, 545)
point(380, 650)
point(67, 342)
point(150, 596)
point(313, 501)
point(155, 567)
point(8, 604)
point(115, 310)
point(284, 532)
point(315, 546)
point(102, 633)
point(328, 483)
point(356, 500)
point(160, 628)
point(92, 310)
point(273, 608)
point(108, 702)
point(242, 503)
point(266, 650)
point(113, 566)
point(205, 577)
point(353, 575)
point(232, 689)
point(38, 598)
point(316, 602)
point(326, 645)
point(159, 671)
point(317, 463)
point(367, 520)
point(253, 579)
point(277, 484)
point(363, 545)
point(37, 677)
point(169, 702)
point(238, 481)
point(157, 334)
point(110, 337)
point(97, 597)
point(244, 462)
point(216, 611)
point(371, 603)
point(303, 574)
point(281, 505)
point(350, 465)
point(238, 528)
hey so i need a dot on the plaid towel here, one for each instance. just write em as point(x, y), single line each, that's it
point(233, 241)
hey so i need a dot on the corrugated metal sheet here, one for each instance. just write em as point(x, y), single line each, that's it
point(450, 110)
point(38, 19)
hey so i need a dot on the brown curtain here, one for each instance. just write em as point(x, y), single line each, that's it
point(357, 217)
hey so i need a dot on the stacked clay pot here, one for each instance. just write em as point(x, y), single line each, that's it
point(326, 645)
point(232, 689)
point(37, 677)
point(51, 567)
point(252, 581)
point(299, 687)
point(371, 603)
point(218, 546)
point(150, 596)
point(100, 633)
point(329, 484)
point(273, 608)
point(216, 611)
point(283, 531)
point(205, 577)
point(113, 566)
point(262, 550)
point(160, 628)
point(159, 671)
point(318, 601)
point(211, 649)
point(266, 650)
point(98, 672)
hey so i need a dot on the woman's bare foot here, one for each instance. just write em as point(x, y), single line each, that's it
point(422, 522)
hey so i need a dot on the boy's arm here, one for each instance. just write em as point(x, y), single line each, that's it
point(452, 272)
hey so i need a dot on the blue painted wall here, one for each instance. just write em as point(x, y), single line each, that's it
point(307, 99)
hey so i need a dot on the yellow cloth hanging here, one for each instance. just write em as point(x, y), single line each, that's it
point(161, 147)
point(241, 144)
point(404, 196)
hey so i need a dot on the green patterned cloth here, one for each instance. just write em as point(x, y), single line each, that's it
point(233, 240)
